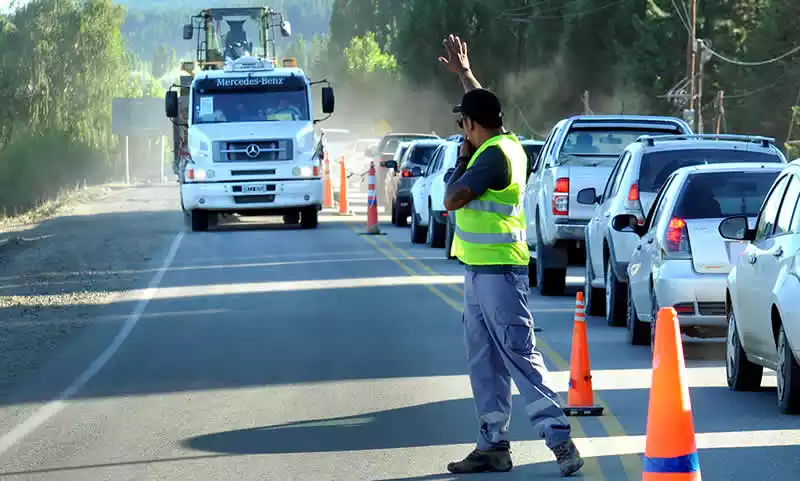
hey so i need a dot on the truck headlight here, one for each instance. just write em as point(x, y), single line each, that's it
point(306, 171)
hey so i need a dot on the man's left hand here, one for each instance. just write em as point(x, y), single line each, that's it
point(466, 149)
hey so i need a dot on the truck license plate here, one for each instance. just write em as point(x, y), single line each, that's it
point(254, 189)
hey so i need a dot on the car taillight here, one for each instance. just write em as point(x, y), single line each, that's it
point(684, 308)
point(316, 171)
point(406, 173)
point(676, 240)
point(634, 205)
point(561, 197)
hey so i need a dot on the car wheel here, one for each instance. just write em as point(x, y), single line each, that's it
point(449, 234)
point(418, 232)
point(402, 216)
point(615, 297)
point(742, 375)
point(436, 232)
point(788, 376)
point(394, 213)
point(593, 296)
point(638, 331)
point(551, 281)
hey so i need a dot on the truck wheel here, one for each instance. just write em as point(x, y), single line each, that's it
point(291, 219)
point(310, 218)
point(198, 220)
point(552, 280)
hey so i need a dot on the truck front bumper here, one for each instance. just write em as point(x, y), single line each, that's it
point(265, 195)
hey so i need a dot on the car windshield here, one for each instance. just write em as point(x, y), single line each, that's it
point(250, 106)
point(421, 154)
point(657, 166)
point(600, 146)
point(712, 195)
point(532, 150)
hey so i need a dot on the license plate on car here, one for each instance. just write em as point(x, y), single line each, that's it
point(254, 189)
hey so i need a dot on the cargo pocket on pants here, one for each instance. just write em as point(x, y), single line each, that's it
point(513, 317)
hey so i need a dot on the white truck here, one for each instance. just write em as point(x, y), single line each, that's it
point(245, 135)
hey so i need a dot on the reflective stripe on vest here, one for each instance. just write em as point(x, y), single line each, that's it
point(493, 238)
point(494, 207)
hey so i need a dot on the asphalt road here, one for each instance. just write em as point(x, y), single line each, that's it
point(264, 352)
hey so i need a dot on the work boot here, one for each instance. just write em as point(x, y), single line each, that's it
point(568, 458)
point(479, 461)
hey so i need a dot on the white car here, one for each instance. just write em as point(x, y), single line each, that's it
point(632, 186)
point(428, 215)
point(763, 288)
point(681, 260)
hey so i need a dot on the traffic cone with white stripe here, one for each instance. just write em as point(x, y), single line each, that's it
point(580, 400)
point(372, 204)
point(670, 452)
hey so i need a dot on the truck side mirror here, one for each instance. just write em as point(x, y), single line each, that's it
point(171, 104)
point(286, 29)
point(188, 31)
point(328, 100)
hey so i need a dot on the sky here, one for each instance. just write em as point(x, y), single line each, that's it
point(5, 4)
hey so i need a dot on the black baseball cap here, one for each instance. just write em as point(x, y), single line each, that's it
point(483, 107)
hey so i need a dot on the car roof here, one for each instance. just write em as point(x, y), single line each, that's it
point(732, 167)
point(410, 134)
point(706, 144)
point(531, 142)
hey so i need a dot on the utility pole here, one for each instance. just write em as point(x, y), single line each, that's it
point(692, 61)
point(720, 110)
point(586, 109)
point(702, 60)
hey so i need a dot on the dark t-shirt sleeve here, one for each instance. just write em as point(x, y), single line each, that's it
point(489, 171)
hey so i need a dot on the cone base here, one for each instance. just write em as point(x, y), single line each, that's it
point(583, 410)
point(373, 230)
point(346, 213)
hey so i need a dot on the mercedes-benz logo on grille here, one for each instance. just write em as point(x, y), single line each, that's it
point(252, 150)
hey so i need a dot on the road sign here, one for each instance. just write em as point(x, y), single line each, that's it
point(139, 116)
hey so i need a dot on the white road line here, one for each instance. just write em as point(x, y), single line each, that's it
point(8, 440)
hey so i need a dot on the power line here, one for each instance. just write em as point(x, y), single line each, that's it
point(749, 64)
point(684, 21)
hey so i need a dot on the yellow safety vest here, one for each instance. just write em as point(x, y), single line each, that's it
point(490, 230)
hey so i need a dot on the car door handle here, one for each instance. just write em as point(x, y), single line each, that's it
point(751, 258)
point(639, 247)
point(650, 240)
point(778, 252)
point(607, 214)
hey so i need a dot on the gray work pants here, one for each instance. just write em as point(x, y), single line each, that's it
point(498, 329)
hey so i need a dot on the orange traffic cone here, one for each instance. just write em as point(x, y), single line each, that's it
point(670, 451)
point(580, 401)
point(372, 204)
point(327, 186)
point(344, 208)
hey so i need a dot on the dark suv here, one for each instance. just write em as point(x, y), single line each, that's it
point(385, 151)
point(402, 175)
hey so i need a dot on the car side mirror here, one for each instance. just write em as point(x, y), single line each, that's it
point(587, 196)
point(448, 175)
point(736, 228)
point(188, 32)
point(390, 164)
point(416, 171)
point(171, 104)
point(328, 100)
point(627, 223)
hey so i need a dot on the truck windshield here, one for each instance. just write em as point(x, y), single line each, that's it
point(250, 106)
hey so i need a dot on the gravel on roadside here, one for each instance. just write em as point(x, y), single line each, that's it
point(58, 269)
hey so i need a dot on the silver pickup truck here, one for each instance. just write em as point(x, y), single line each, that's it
point(579, 153)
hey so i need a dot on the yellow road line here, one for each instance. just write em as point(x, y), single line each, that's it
point(416, 261)
point(631, 463)
point(591, 469)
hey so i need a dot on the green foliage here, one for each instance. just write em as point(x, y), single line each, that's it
point(365, 58)
point(61, 63)
point(542, 55)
